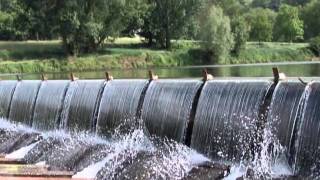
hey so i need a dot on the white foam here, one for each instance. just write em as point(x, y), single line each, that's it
point(197, 159)
point(7, 125)
point(92, 170)
point(236, 172)
point(20, 153)
point(41, 163)
point(281, 169)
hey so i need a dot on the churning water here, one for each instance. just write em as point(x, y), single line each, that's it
point(89, 156)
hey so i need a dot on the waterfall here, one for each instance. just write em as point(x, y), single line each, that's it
point(167, 107)
point(307, 144)
point(283, 112)
point(49, 104)
point(101, 129)
point(23, 102)
point(6, 91)
point(119, 103)
point(80, 103)
point(225, 125)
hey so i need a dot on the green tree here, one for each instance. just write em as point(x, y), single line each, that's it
point(296, 2)
point(35, 18)
point(84, 25)
point(215, 32)
point(7, 31)
point(261, 22)
point(288, 26)
point(240, 31)
point(311, 18)
point(167, 20)
point(315, 45)
point(270, 4)
point(10, 12)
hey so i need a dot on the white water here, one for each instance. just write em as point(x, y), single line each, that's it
point(91, 171)
point(20, 153)
point(174, 161)
point(236, 172)
point(128, 145)
point(9, 126)
point(41, 163)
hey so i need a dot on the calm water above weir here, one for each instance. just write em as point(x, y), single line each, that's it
point(293, 69)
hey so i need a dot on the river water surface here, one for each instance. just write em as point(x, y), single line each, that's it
point(291, 69)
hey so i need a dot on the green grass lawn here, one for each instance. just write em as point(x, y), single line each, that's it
point(48, 56)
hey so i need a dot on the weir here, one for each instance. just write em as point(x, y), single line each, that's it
point(167, 107)
point(119, 103)
point(23, 101)
point(282, 118)
point(307, 153)
point(227, 130)
point(80, 103)
point(49, 105)
point(6, 91)
point(144, 125)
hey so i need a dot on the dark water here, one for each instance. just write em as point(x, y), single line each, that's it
point(167, 107)
point(225, 125)
point(299, 69)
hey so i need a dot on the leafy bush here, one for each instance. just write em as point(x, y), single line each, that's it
point(315, 45)
point(215, 32)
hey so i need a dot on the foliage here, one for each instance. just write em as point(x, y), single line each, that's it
point(311, 16)
point(261, 23)
point(240, 31)
point(136, 12)
point(86, 26)
point(47, 56)
point(216, 34)
point(167, 20)
point(315, 45)
point(288, 26)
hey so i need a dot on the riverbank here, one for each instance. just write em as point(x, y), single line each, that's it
point(129, 53)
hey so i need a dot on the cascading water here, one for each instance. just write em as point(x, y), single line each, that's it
point(119, 102)
point(307, 144)
point(80, 103)
point(49, 105)
point(279, 130)
point(283, 111)
point(15, 136)
point(23, 101)
point(227, 129)
point(124, 156)
point(228, 125)
point(167, 107)
point(6, 91)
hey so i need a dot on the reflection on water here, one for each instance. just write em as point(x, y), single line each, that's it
point(295, 69)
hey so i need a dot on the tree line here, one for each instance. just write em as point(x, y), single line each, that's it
point(223, 26)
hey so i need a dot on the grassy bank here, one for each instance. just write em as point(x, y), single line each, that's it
point(48, 56)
